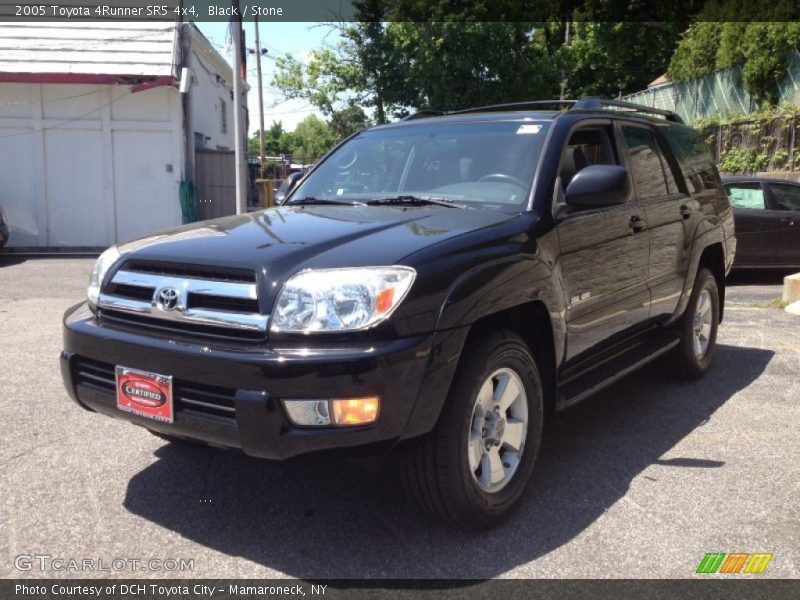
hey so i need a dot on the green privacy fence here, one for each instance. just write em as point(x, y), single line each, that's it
point(721, 93)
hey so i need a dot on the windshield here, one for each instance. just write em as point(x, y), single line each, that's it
point(483, 164)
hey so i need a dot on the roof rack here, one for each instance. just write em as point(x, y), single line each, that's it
point(422, 114)
point(599, 104)
point(560, 103)
point(582, 104)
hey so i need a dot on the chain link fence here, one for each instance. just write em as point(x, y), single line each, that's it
point(721, 93)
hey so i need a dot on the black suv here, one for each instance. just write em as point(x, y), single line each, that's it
point(439, 286)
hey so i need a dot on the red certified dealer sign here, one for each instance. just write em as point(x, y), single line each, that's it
point(145, 394)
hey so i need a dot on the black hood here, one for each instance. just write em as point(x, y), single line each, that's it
point(281, 241)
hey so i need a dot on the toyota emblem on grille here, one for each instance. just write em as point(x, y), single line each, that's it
point(167, 298)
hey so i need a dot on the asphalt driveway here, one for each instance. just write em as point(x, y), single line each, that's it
point(640, 481)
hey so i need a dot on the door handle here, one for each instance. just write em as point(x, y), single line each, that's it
point(686, 212)
point(789, 221)
point(637, 224)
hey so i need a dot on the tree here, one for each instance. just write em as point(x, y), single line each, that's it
point(355, 71)
point(606, 58)
point(276, 141)
point(312, 138)
point(322, 80)
point(696, 54)
point(452, 65)
point(402, 55)
point(348, 121)
point(760, 48)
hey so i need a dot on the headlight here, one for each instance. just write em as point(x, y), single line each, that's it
point(328, 300)
point(101, 267)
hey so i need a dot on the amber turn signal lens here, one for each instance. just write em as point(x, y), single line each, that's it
point(383, 301)
point(355, 411)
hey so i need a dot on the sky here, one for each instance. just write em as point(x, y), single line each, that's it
point(296, 39)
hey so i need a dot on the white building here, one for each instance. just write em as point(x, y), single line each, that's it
point(95, 134)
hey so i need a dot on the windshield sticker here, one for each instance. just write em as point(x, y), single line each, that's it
point(528, 129)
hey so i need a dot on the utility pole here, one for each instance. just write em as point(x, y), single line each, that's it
point(240, 155)
point(260, 103)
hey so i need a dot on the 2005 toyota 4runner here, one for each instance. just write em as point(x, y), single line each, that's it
point(439, 286)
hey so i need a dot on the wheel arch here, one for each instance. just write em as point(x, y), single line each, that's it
point(713, 259)
point(531, 321)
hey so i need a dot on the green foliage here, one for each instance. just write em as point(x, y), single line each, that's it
point(605, 58)
point(743, 160)
point(405, 55)
point(760, 48)
point(356, 71)
point(276, 141)
point(312, 138)
point(452, 65)
point(780, 158)
point(321, 80)
point(348, 121)
point(756, 119)
point(696, 54)
point(758, 141)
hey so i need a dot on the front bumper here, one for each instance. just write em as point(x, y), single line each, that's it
point(411, 376)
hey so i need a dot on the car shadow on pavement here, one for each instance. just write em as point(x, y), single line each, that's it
point(326, 517)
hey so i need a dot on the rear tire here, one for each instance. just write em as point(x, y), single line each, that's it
point(691, 358)
point(474, 467)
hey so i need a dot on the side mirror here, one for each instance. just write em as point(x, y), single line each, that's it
point(598, 185)
point(287, 186)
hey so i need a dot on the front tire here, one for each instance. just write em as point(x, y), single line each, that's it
point(472, 470)
point(692, 357)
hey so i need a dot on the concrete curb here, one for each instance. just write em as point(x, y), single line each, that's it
point(791, 288)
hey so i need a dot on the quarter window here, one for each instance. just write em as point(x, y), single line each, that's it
point(692, 153)
point(746, 195)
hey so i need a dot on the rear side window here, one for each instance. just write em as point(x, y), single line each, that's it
point(746, 195)
point(787, 196)
point(694, 157)
point(651, 173)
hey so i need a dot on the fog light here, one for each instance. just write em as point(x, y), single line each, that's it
point(342, 411)
point(308, 412)
point(355, 411)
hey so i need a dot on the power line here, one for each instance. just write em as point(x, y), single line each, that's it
point(66, 121)
point(20, 103)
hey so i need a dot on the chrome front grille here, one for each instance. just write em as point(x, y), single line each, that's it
point(205, 301)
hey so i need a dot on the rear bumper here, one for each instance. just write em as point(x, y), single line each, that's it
point(411, 384)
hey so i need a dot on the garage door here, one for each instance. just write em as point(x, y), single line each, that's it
point(76, 209)
point(145, 190)
point(88, 165)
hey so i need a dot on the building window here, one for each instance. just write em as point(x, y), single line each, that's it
point(223, 116)
point(199, 140)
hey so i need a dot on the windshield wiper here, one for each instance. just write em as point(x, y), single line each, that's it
point(413, 200)
point(324, 202)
